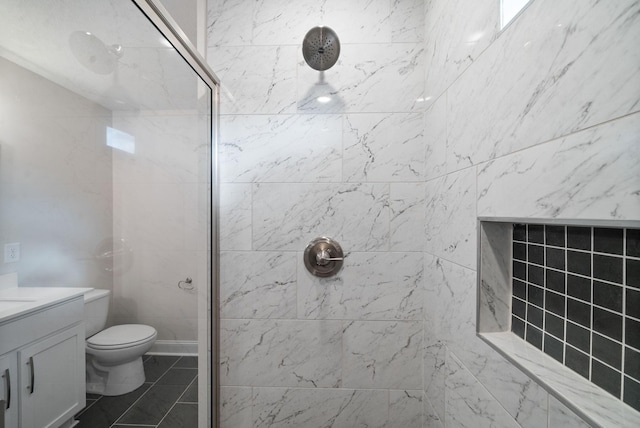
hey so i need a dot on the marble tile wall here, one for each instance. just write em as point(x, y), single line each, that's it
point(297, 350)
point(539, 120)
point(435, 117)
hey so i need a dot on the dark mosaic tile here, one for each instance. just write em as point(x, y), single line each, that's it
point(632, 393)
point(519, 289)
point(535, 275)
point(633, 273)
point(607, 268)
point(579, 237)
point(177, 376)
point(534, 336)
point(579, 312)
point(520, 232)
point(519, 251)
point(633, 303)
point(555, 258)
point(632, 333)
point(534, 316)
point(535, 254)
point(632, 363)
point(555, 235)
point(519, 270)
point(517, 326)
point(554, 302)
point(578, 262)
point(535, 295)
point(153, 406)
point(181, 416)
point(608, 240)
point(607, 295)
point(579, 337)
point(607, 323)
point(535, 233)
point(607, 351)
point(519, 308)
point(577, 361)
point(606, 378)
point(554, 325)
point(579, 287)
point(555, 280)
point(107, 410)
point(633, 242)
point(554, 348)
point(156, 365)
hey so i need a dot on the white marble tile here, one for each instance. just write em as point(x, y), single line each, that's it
point(430, 418)
point(336, 408)
point(257, 284)
point(382, 354)
point(227, 24)
point(236, 407)
point(405, 409)
point(235, 216)
point(451, 217)
point(435, 138)
point(561, 416)
point(383, 147)
point(456, 40)
point(434, 373)
point(546, 68)
point(468, 404)
point(407, 21)
point(366, 78)
point(601, 407)
point(278, 22)
point(284, 148)
point(594, 175)
point(255, 79)
point(289, 216)
point(372, 25)
point(280, 353)
point(364, 289)
point(407, 209)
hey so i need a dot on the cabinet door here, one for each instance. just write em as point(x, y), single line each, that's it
point(9, 389)
point(52, 379)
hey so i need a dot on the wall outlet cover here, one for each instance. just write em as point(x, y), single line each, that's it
point(12, 252)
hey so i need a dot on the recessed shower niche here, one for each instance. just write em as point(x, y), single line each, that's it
point(559, 299)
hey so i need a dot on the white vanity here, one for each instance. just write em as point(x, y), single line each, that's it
point(42, 356)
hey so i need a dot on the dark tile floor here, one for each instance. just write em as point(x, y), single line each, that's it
point(168, 398)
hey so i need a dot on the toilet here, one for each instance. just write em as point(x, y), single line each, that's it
point(114, 355)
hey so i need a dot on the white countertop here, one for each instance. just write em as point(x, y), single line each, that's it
point(18, 301)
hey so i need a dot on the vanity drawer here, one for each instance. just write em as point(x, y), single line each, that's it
point(41, 323)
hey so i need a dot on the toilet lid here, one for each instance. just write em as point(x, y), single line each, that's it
point(122, 335)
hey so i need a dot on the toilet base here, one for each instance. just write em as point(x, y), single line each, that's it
point(114, 380)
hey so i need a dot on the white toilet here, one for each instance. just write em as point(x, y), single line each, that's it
point(114, 355)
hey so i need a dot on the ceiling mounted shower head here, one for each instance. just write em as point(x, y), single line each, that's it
point(94, 54)
point(321, 48)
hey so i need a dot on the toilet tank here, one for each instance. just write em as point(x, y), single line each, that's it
point(96, 309)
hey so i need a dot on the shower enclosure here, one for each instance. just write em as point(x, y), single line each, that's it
point(107, 165)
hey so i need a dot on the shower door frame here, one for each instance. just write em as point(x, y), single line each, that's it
point(167, 26)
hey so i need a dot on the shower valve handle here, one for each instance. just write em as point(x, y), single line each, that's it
point(323, 257)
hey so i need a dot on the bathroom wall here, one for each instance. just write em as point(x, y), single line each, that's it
point(539, 120)
point(296, 350)
point(157, 206)
point(55, 182)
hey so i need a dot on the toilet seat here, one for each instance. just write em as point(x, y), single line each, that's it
point(121, 336)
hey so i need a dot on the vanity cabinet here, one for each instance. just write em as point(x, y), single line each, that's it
point(9, 390)
point(45, 365)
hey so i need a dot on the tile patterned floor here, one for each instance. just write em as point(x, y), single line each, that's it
point(168, 398)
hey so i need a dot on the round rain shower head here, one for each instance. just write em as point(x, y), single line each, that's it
point(92, 53)
point(321, 48)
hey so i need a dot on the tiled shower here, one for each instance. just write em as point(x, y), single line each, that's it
point(436, 117)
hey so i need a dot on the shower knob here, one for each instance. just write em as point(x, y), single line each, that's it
point(323, 257)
